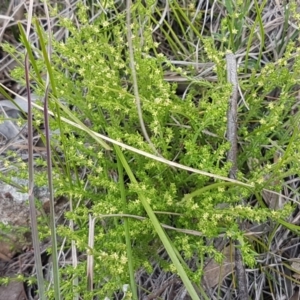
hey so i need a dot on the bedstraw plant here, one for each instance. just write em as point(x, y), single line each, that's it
point(93, 84)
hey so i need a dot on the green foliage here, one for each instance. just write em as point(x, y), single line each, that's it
point(92, 76)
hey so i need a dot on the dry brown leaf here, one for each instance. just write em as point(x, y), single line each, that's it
point(215, 273)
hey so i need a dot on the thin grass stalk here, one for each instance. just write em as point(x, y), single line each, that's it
point(187, 20)
point(250, 39)
point(198, 287)
point(59, 120)
point(32, 208)
point(55, 258)
point(159, 230)
point(162, 17)
point(133, 286)
point(26, 43)
point(134, 78)
point(171, 37)
point(259, 8)
point(73, 247)
point(56, 279)
point(185, 37)
point(53, 88)
point(186, 231)
point(285, 39)
point(53, 229)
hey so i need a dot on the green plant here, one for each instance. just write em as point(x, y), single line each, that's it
point(91, 85)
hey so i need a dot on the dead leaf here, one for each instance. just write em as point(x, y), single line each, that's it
point(215, 273)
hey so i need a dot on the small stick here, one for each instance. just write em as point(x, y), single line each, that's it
point(232, 77)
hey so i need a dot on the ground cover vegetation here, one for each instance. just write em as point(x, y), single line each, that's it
point(138, 102)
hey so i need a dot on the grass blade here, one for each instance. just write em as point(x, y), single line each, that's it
point(32, 208)
point(127, 230)
point(161, 233)
point(51, 201)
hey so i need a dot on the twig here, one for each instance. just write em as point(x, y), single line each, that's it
point(232, 114)
point(232, 157)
